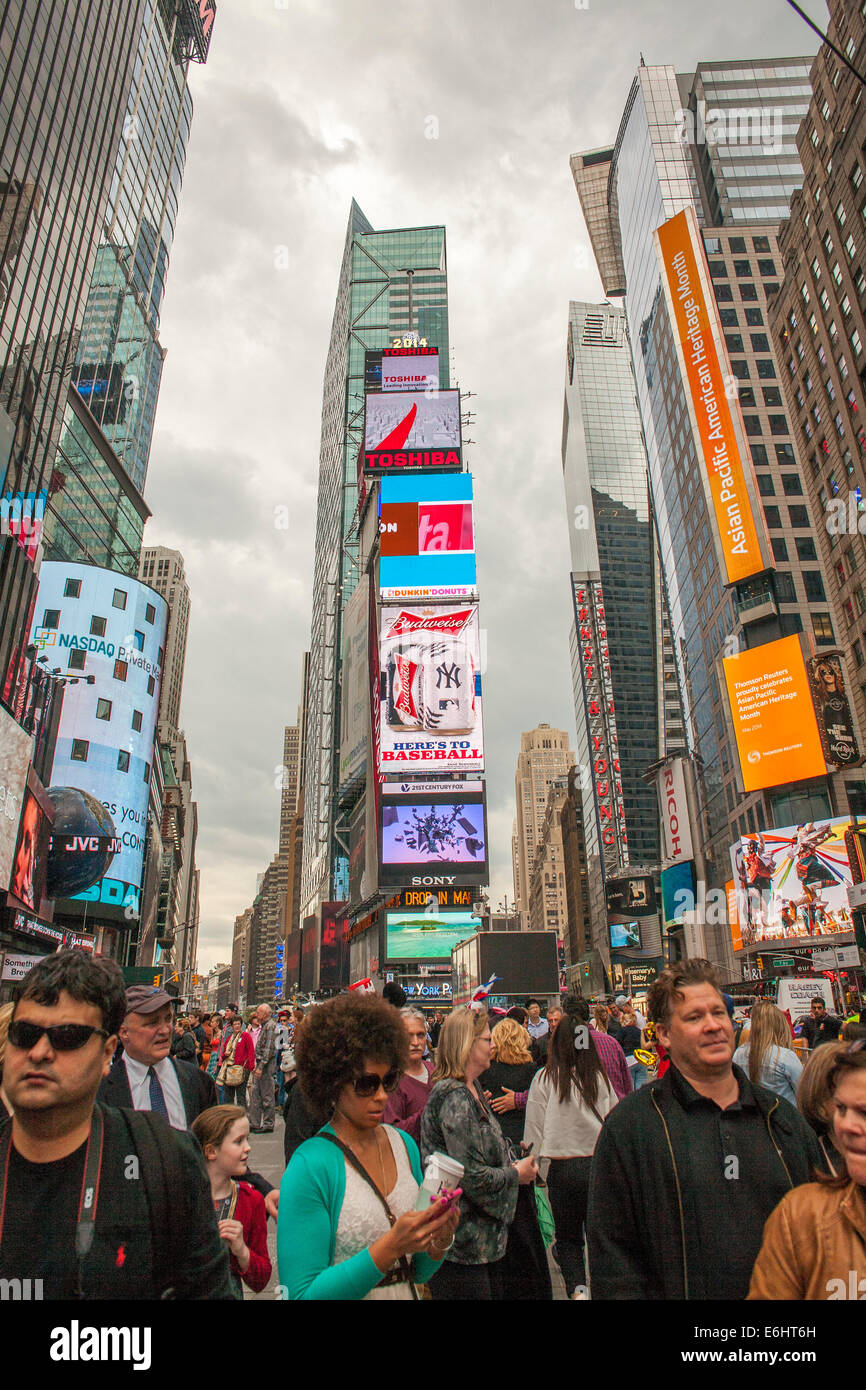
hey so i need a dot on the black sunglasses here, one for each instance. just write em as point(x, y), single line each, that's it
point(368, 1084)
point(63, 1037)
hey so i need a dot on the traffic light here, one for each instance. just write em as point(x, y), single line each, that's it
point(586, 970)
point(760, 964)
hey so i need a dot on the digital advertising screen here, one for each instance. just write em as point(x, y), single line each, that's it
point(833, 712)
point(426, 935)
point(430, 690)
point(793, 882)
point(773, 715)
point(624, 936)
point(30, 864)
point(427, 537)
point(634, 896)
point(432, 839)
point(678, 890)
point(412, 430)
point(15, 750)
point(115, 628)
point(402, 369)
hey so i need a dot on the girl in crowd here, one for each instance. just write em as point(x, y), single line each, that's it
point(815, 1240)
point(768, 1056)
point(459, 1122)
point(567, 1104)
point(348, 1228)
point(223, 1132)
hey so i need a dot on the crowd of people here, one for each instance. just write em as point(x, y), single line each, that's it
point(670, 1154)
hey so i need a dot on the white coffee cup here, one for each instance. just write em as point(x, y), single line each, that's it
point(440, 1172)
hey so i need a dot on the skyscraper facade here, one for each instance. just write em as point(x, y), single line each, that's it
point(67, 75)
point(390, 281)
point(614, 558)
point(734, 163)
point(818, 326)
point(163, 570)
point(544, 756)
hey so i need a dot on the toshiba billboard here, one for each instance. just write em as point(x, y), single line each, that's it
point(697, 331)
point(773, 716)
point(674, 812)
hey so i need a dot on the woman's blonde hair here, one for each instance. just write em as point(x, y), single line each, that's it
point(6, 1012)
point(459, 1033)
point(511, 1041)
point(768, 1027)
point(600, 1014)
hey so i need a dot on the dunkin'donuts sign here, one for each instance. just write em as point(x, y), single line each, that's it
point(697, 331)
point(773, 716)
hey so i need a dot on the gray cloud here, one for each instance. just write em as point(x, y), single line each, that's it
point(299, 109)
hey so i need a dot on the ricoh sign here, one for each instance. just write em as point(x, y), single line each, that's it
point(674, 812)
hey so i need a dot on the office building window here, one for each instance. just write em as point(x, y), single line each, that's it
point(97, 627)
point(77, 659)
point(51, 618)
point(123, 761)
point(80, 749)
point(149, 613)
point(72, 588)
point(136, 720)
point(780, 549)
point(103, 709)
point(119, 600)
point(120, 670)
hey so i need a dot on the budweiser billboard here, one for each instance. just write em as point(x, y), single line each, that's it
point(674, 812)
point(430, 690)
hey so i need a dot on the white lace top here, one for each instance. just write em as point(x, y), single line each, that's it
point(363, 1218)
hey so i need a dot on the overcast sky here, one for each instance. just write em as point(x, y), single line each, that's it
point(304, 104)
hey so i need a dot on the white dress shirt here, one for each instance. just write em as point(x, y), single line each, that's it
point(139, 1085)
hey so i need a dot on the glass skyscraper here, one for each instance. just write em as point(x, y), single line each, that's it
point(721, 141)
point(613, 545)
point(391, 282)
point(67, 72)
point(118, 360)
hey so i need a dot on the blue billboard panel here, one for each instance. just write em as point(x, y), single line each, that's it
point(427, 537)
point(98, 626)
point(678, 878)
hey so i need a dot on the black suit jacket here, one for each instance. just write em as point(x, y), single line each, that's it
point(196, 1088)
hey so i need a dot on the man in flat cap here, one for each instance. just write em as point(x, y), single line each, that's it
point(146, 1077)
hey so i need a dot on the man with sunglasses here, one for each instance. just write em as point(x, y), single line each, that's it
point(97, 1202)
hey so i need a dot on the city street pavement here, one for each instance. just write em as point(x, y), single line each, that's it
point(266, 1157)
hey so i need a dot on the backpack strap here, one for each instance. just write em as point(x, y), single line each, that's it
point(162, 1173)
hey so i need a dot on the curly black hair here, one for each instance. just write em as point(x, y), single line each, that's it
point(335, 1039)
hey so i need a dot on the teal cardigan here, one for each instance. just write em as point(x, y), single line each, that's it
point(311, 1198)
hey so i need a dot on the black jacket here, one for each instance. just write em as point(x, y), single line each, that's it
point(155, 1233)
point(196, 1087)
point(640, 1246)
point(824, 1030)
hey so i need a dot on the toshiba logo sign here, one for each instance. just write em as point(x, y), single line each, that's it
point(674, 812)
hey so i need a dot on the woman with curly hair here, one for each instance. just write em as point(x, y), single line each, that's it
point(348, 1228)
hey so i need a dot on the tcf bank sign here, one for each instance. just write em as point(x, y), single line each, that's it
point(601, 721)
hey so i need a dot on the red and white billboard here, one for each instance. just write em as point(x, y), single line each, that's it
point(412, 430)
point(674, 812)
point(402, 369)
point(592, 644)
point(430, 689)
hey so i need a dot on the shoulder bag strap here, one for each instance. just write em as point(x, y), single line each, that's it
point(352, 1158)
